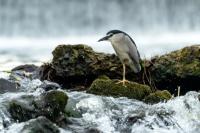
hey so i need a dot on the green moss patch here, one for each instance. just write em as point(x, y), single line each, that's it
point(158, 96)
point(108, 87)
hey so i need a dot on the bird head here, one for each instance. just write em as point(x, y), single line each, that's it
point(113, 36)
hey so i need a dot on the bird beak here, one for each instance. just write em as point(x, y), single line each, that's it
point(103, 39)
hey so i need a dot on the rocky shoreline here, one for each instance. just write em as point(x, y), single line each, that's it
point(79, 68)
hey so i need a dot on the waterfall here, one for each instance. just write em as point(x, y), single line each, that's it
point(44, 18)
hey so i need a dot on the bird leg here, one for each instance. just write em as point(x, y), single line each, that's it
point(123, 81)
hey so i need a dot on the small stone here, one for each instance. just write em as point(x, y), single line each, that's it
point(158, 96)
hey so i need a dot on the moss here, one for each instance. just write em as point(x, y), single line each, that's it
point(64, 50)
point(20, 113)
point(103, 77)
point(56, 98)
point(109, 87)
point(78, 65)
point(178, 68)
point(21, 109)
point(158, 96)
point(182, 63)
point(52, 104)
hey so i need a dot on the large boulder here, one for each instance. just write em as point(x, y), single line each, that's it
point(50, 104)
point(179, 68)
point(79, 65)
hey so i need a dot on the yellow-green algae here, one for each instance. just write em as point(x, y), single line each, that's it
point(182, 63)
point(178, 68)
point(158, 96)
point(107, 87)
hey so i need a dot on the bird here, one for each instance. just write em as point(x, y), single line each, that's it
point(126, 51)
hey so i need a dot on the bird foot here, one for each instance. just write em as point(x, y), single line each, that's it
point(123, 82)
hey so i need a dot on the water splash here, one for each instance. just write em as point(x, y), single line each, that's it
point(113, 115)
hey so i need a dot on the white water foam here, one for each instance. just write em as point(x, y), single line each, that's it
point(179, 115)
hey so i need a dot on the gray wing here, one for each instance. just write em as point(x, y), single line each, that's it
point(134, 55)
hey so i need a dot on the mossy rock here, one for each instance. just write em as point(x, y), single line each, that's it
point(50, 104)
point(78, 65)
point(21, 109)
point(158, 96)
point(108, 87)
point(178, 68)
point(55, 98)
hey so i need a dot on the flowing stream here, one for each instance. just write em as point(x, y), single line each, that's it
point(114, 115)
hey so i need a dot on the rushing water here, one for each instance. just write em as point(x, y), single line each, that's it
point(115, 115)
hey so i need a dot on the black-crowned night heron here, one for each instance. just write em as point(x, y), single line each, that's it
point(125, 49)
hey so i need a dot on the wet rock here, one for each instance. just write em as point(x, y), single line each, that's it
point(24, 71)
point(178, 68)
point(26, 68)
point(7, 86)
point(22, 109)
point(136, 118)
point(40, 125)
point(109, 87)
point(131, 119)
point(52, 104)
point(93, 130)
point(158, 96)
point(49, 104)
point(78, 65)
point(49, 85)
